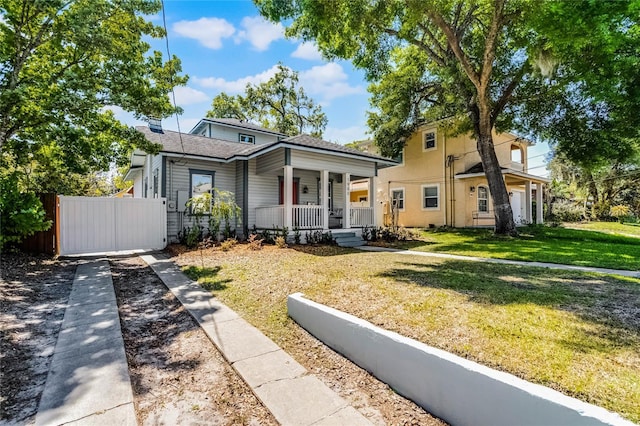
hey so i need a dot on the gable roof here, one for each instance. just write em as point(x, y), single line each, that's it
point(234, 122)
point(222, 150)
point(200, 146)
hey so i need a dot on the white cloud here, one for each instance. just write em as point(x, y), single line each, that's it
point(208, 31)
point(329, 81)
point(307, 50)
point(235, 86)
point(346, 135)
point(259, 32)
point(187, 96)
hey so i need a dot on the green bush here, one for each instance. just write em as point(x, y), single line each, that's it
point(567, 211)
point(21, 214)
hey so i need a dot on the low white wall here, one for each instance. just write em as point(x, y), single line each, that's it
point(457, 390)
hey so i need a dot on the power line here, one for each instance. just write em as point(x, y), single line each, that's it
point(173, 92)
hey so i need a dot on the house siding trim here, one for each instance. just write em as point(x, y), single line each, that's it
point(245, 198)
point(163, 177)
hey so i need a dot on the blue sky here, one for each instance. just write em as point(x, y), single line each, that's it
point(223, 45)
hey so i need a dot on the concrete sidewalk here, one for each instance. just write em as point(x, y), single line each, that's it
point(625, 273)
point(286, 388)
point(88, 381)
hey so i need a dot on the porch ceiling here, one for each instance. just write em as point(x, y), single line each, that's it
point(511, 176)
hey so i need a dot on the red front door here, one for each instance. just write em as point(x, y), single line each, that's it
point(295, 192)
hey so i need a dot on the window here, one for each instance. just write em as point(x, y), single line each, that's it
point(397, 198)
point(400, 157)
point(516, 154)
point(246, 138)
point(429, 141)
point(430, 197)
point(483, 199)
point(329, 192)
point(201, 186)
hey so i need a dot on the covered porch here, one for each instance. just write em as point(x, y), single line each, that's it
point(313, 199)
point(524, 190)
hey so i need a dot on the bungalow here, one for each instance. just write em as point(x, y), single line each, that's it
point(278, 181)
point(440, 181)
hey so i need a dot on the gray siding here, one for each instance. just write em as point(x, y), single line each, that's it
point(224, 178)
point(263, 190)
point(270, 161)
point(231, 134)
point(240, 195)
point(316, 161)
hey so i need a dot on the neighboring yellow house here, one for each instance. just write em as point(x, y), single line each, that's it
point(441, 182)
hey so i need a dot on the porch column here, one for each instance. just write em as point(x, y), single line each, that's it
point(324, 198)
point(346, 215)
point(527, 201)
point(372, 199)
point(288, 195)
point(539, 218)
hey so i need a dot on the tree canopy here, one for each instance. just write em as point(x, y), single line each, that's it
point(485, 64)
point(278, 104)
point(65, 66)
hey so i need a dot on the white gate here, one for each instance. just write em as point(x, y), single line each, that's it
point(98, 224)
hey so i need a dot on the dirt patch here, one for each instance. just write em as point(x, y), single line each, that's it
point(33, 294)
point(373, 398)
point(178, 376)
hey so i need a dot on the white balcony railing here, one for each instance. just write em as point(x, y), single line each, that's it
point(270, 217)
point(361, 217)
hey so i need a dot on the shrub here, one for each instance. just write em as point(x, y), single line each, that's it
point(281, 242)
point(21, 214)
point(621, 212)
point(228, 244)
point(566, 211)
point(190, 236)
point(255, 243)
point(296, 235)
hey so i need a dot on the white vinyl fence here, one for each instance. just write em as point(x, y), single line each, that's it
point(100, 224)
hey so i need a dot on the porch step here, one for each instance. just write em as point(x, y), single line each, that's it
point(348, 239)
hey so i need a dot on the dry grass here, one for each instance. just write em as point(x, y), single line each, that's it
point(577, 333)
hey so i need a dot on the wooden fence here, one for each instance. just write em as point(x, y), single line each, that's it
point(45, 241)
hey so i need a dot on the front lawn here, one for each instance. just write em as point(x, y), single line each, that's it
point(627, 229)
point(575, 332)
point(535, 243)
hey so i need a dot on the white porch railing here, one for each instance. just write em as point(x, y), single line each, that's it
point(307, 217)
point(361, 217)
point(269, 217)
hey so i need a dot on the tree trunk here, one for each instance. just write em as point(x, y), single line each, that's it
point(498, 189)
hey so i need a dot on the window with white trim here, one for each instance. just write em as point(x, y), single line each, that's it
point(429, 141)
point(483, 199)
point(430, 197)
point(397, 198)
point(246, 138)
point(201, 186)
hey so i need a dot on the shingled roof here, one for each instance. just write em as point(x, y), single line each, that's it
point(234, 122)
point(311, 142)
point(197, 145)
point(220, 149)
